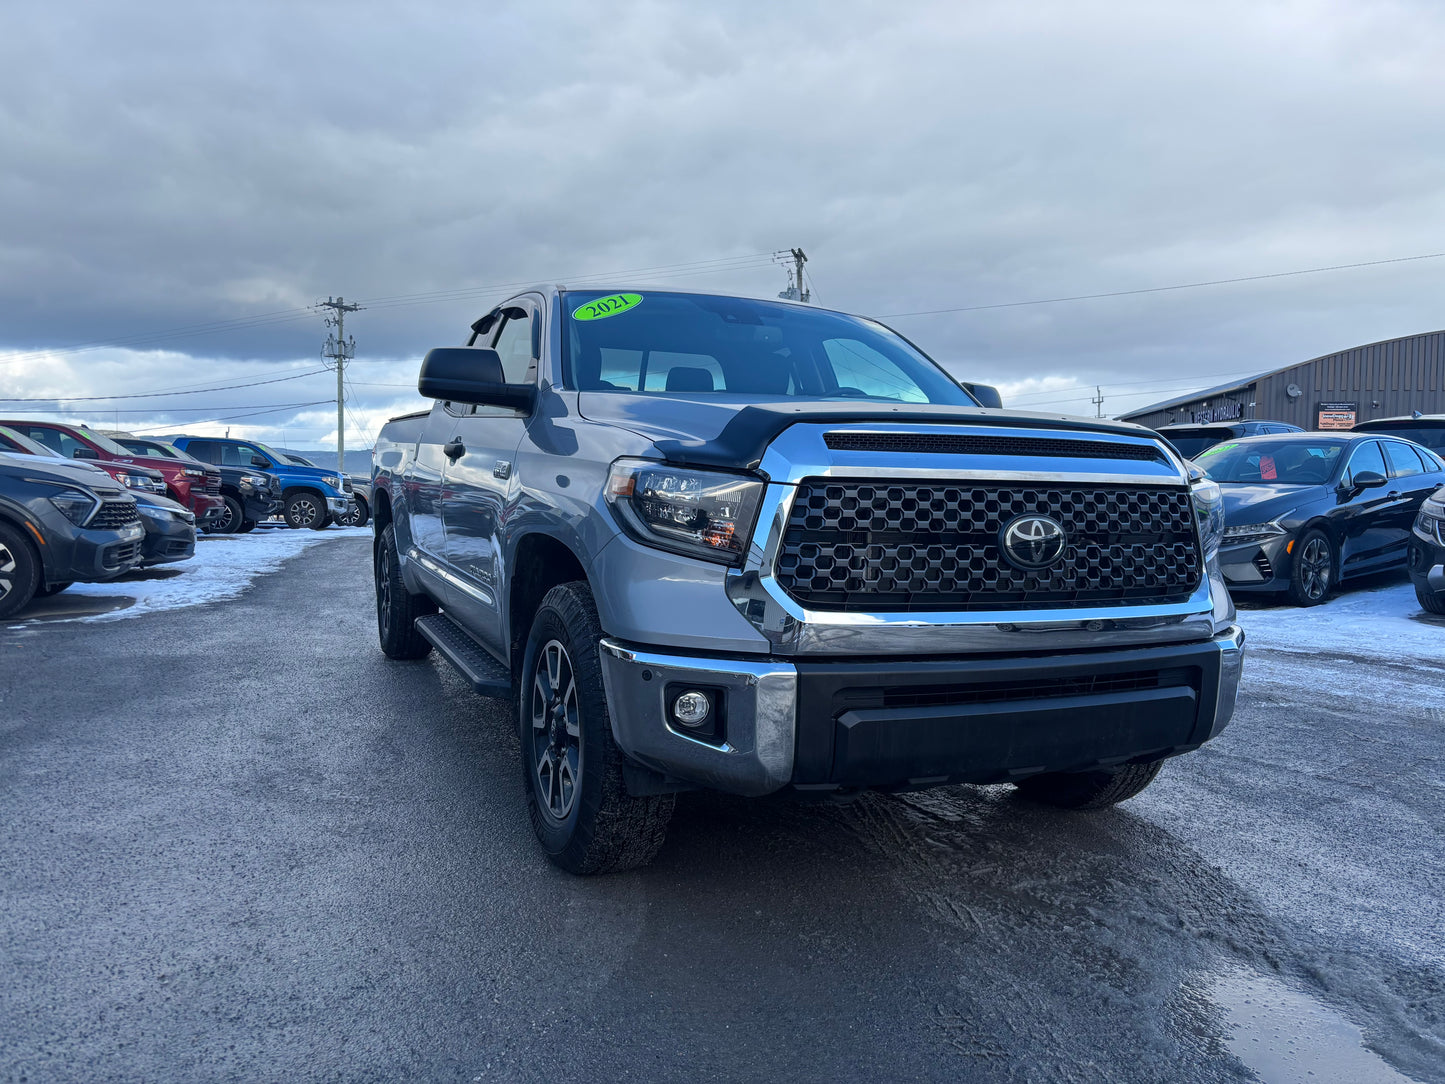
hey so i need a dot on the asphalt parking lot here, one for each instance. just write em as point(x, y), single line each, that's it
point(237, 843)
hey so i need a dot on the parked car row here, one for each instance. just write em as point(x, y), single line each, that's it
point(1305, 511)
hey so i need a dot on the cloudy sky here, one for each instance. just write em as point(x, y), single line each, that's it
point(179, 182)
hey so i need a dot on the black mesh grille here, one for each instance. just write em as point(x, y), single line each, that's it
point(121, 555)
point(967, 444)
point(114, 515)
point(879, 546)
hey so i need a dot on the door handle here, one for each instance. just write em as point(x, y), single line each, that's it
point(454, 448)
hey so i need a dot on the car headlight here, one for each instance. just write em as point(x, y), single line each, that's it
point(699, 513)
point(194, 472)
point(160, 515)
point(332, 480)
point(77, 507)
point(1209, 511)
point(1252, 532)
point(254, 481)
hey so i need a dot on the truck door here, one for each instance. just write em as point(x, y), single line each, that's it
point(423, 487)
point(480, 489)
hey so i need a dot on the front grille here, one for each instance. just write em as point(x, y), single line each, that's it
point(1261, 563)
point(213, 485)
point(123, 554)
point(1001, 692)
point(856, 545)
point(974, 444)
point(114, 515)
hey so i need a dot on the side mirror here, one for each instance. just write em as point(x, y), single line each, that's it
point(464, 374)
point(260, 461)
point(986, 394)
point(1368, 479)
point(85, 453)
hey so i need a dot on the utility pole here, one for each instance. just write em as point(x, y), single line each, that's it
point(796, 291)
point(1098, 401)
point(339, 349)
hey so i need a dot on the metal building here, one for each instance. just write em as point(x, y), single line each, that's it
point(1336, 391)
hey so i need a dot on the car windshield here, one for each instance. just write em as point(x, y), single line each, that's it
point(300, 460)
point(154, 448)
point(105, 444)
point(700, 344)
point(1190, 442)
point(1299, 462)
point(276, 457)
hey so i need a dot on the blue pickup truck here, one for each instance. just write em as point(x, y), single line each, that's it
point(310, 496)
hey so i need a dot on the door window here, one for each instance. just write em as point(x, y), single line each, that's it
point(204, 450)
point(58, 442)
point(1403, 460)
point(1367, 457)
point(514, 346)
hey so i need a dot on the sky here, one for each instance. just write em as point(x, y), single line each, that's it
point(181, 183)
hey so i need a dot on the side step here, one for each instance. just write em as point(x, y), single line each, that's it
point(473, 662)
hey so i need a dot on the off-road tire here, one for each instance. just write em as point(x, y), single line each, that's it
point(45, 590)
point(1089, 790)
point(1306, 571)
point(606, 829)
point(1430, 602)
point(397, 608)
point(306, 509)
point(230, 521)
point(19, 570)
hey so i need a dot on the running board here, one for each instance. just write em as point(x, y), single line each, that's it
point(486, 675)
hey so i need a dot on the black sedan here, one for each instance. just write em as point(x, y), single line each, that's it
point(1427, 554)
point(1303, 511)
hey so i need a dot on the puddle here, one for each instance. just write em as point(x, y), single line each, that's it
point(1288, 1037)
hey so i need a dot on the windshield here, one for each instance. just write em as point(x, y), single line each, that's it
point(1300, 462)
point(300, 460)
point(105, 444)
point(702, 344)
point(154, 448)
point(276, 457)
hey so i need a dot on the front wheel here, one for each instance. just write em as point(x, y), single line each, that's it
point(1313, 572)
point(579, 806)
point(1089, 790)
point(46, 590)
point(356, 514)
point(19, 571)
point(247, 525)
point(1429, 601)
point(230, 519)
point(306, 510)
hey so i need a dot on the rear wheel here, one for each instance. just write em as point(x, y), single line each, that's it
point(19, 571)
point(1312, 574)
point(1429, 601)
point(306, 509)
point(580, 809)
point(397, 608)
point(1089, 790)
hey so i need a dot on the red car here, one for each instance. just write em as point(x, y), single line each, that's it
point(194, 485)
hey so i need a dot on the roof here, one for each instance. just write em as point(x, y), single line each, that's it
point(1239, 385)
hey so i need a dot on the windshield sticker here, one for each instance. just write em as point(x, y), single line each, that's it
point(1266, 468)
point(607, 306)
point(1216, 450)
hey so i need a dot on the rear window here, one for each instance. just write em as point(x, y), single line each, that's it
point(1430, 435)
point(1190, 442)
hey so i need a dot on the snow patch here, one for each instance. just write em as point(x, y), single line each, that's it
point(1384, 623)
point(223, 568)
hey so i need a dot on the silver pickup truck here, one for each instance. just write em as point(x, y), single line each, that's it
point(706, 541)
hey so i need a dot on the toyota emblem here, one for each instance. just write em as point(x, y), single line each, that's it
point(1033, 542)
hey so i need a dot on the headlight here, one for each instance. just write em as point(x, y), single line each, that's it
point(1252, 532)
point(698, 513)
point(331, 480)
point(255, 481)
point(1209, 511)
point(194, 472)
point(160, 515)
point(78, 507)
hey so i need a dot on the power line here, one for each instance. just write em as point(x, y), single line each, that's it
point(151, 410)
point(156, 394)
point(237, 417)
point(1164, 289)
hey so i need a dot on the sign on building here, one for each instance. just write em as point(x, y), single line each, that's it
point(1335, 415)
point(1226, 411)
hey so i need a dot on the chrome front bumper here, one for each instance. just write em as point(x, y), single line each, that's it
point(763, 709)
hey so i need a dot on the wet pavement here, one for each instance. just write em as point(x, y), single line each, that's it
point(238, 843)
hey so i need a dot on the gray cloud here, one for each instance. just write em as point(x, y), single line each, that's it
point(186, 164)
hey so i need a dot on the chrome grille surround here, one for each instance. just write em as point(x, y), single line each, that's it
point(796, 627)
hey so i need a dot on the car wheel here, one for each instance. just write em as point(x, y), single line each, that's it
point(397, 608)
point(1089, 790)
point(230, 519)
point(306, 510)
point(1429, 601)
point(45, 590)
point(247, 525)
point(356, 514)
point(579, 806)
point(1312, 573)
point(19, 571)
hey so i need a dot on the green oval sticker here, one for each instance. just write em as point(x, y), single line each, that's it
point(607, 306)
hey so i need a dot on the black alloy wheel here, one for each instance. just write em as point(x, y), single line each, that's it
point(19, 571)
point(556, 732)
point(1313, 572)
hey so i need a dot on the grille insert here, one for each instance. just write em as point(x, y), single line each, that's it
point(855, 545)
point(973, 444)
point(113, 515)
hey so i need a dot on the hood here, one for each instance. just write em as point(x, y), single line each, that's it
point(59, 471)
point(165, 466)
point(1256, 502)
point(155, 500)
point(734, 431)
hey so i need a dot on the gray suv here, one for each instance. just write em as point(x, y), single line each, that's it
point(706, 541)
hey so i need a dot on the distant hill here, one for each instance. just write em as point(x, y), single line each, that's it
point(358, 460)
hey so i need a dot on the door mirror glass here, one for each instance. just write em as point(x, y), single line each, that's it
point(986, 394)
point(464, 374)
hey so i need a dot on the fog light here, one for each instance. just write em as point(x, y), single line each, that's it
point(692, 708)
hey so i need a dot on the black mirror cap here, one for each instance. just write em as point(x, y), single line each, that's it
point(1368, 479)
point(260, 461)
point(465, 374)
point(986, 394)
